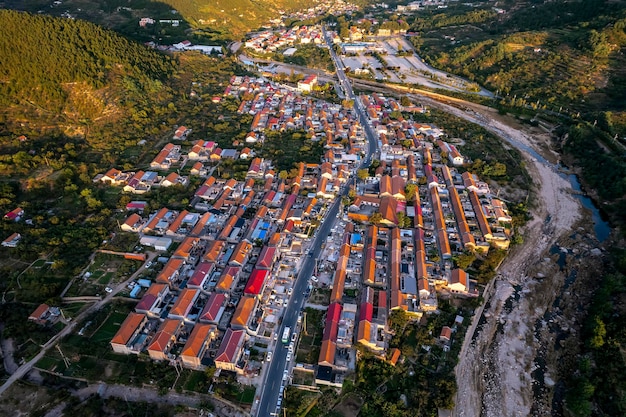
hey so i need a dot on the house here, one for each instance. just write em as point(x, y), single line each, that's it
point(139, 206)
point(459, 281)
point(150, 301)
point(198, 169)
point(308, 83)
point(446, 334)
point(243, 313)
point(213, 309)
point(200, 275)
point(182, 132)
point(228, 279)
point(132, 224)
point(12, 241)
point(111, 176)
point(183, 304)
point(174, 179)
point(199, 340)
point(14, 215)
point(246, 153)
point(256, 282)
point(164, 339)
point(252, 137)
point(126, 339)
point(171, 271)
point(230, 351)
point(41, 314)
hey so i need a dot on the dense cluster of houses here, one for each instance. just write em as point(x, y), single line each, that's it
point(320, 8)
point(232, 260)
point(271, 41)
point(281, 108)
point(404, 265)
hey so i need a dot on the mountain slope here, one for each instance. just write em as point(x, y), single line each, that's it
point(71, 69)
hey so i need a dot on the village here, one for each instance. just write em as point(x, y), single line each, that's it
point(226, 267)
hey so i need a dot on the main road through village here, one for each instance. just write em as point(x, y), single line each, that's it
point(270, 390)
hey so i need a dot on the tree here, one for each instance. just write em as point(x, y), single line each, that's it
point(404, 101)
point(362, 174)
point(599, 333)
point(410, 190)
point(375, 218)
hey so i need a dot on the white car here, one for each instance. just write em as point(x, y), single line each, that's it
point(288, 356)
point(268, 356)
point(109, 289)
point(289, 291)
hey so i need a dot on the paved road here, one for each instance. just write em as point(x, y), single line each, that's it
point(274, 375)
point(24, 369)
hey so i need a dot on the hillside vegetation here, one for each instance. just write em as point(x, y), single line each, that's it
point(553, 54)
point(71, 72)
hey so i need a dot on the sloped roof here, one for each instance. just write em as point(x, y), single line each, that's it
point(327, 353)
point(197, 339)
point(227, 351)
point(228, 276)
point(184, 302)
point(170, 268)
point(128, 328)
point(244, 310)
point(168, 330)
point(200, 274)
point(256, 281)
point(212, 307)
point(148, 299)
point(266, 257)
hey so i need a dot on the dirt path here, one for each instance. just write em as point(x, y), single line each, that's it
point(494, 374)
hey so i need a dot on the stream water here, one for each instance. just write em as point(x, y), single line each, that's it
point(600, 225)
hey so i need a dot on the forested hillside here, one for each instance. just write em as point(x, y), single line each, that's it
point(553, 54)
point(72, 69)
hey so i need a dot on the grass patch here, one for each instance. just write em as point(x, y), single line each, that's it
point(106, 278)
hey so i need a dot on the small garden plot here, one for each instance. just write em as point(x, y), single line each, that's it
point(311, 339)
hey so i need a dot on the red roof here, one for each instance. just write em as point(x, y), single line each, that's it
point(266, 258)
point(200, 274)
point(256, 281)
point(332, 322)
point(228, 348)
point(366, 312)
point(212, 307)
point(136, 205)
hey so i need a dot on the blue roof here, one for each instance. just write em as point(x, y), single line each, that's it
point(355, 238)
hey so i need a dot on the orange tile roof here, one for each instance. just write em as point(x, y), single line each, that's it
point(132, 220)
point(197, 339)
point(204, 219)
point(228, 276)
point(167, 331)
point(184, 302)
point(169, 270)
point(128, 328)
point(186, 246)
point(160, 214)
point(364, 332)
point(327, 353)
point(244, 310)
point(178, 221)
point(241, 252)
point(214, 250)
